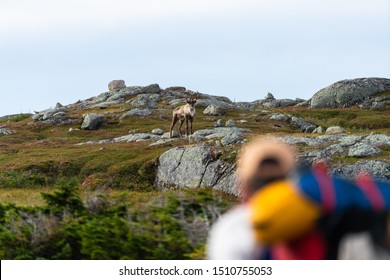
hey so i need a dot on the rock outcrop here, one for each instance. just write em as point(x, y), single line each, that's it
point(195, 167)
point(92, 121)
point(5, 131)
point(347, 93)
point(214, 110)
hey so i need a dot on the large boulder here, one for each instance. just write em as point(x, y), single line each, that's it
point(116, 84)
point(304, 126)
point(334, 130)
point(349, 92)
point(213, 110)
point(92, 121)
point(195, 167)
point(153, 88)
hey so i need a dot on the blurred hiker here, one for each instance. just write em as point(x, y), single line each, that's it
point(306, 214)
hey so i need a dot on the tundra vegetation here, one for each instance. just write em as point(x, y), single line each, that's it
point(61, 200)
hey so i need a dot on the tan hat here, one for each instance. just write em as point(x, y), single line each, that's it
point(260, 149)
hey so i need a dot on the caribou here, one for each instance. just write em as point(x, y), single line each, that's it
point(183, 113)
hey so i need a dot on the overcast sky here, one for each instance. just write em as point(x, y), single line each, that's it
point(66, 50)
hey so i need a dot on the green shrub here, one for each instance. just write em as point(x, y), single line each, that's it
point(170, 226)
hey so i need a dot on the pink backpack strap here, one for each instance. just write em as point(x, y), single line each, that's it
point(371, 191)
point(326, 186)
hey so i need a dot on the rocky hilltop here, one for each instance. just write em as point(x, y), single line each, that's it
point(120, 138)
point(346, 93)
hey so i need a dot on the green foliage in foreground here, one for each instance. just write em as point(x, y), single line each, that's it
point(170, 227)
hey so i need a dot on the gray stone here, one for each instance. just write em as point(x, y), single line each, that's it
point(136, 112)
point(116, 84)
point(318, 130)
point(153, 88)
point(166, 135)
point(378, 105)
point(269, 96)
point(246, 105)
point(377, 168)
point(163, 141)
point(279, 117)
point(303, 125)
point(349, 92)
point(60, 120)
point(176, 88)
point(363, 150)
point(366, 104)
point(279, 103)
point(213, 110)
point(195, 167)
point(350, 140)
point(105, 104)
point(218, 132)
point(303, 104)
point(123, 93)
point(137, 137)
point(92, 121)
point(175, 102)
point(230, 123)
point(231, 139)
point(243, 121)
point(219, 123)
point(377, 139)
point(214, 101)
point(47, 114)
point(5, 131)
point(310, 141)
point(334, 130)
point(158, 131)
point(59, 105)
point(146, 100)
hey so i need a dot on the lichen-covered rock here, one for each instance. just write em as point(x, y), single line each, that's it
point(334, 130)
point(279, 117)
point(231, 139)
point(378, 105)
point(269, 96)
point(116, 84)
point(377, 139)
point(195, 167)
point(346, 93)
point(213, 110)
point(318, 130)
point(92, 121)
point(153, 88)
point(158, 131)
point(279, 103)
point(230, 123)
point(146, 100)
point(304, 126)
point(218, 123)
point(166, 135)
point(5, 131)
point(363, 150)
